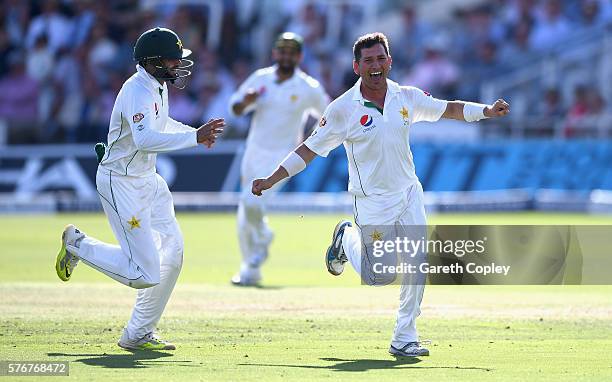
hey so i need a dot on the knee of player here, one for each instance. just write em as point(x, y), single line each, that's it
point(143, 283)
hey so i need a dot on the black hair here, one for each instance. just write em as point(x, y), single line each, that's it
point(368, 41)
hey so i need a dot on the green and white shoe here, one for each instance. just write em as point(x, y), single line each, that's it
point(65, 261)
point(149, 342)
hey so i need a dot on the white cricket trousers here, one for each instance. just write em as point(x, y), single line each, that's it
point(149, 256)
point(254, 234)
point(402, 210)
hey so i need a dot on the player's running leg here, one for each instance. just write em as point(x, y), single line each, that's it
point(151, 302)
point(254, 236)
point(134, 262)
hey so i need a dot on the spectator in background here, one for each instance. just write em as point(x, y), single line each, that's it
point(15, 17)
point(19, 100)
point(548, 113)
point(436, 74)
point(84, 20)
point(412, 31)
point(595, 13)
point(182, 23)
point(102, 53)
point(486, 62)
point(518, 11)
point(586, 113)
point(519, 43)
point(6, 47)
point(479, 27)
point(310, 23)
point(67, 80)
point(54, 24)
point(40, 61)
point(551, 28)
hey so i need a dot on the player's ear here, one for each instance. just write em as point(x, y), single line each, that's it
point(356, 67)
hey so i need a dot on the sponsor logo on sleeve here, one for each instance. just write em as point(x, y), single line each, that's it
point(428, 94)
point(137, 117)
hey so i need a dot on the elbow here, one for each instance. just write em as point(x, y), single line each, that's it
point(140, 142)
point(236, 110)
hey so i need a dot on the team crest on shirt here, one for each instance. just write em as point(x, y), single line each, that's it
point(322, 122)
point(137, 117)
point(293, 98)
point(404, 114)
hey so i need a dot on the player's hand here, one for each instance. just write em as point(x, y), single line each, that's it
point(250, 97)
point(207, 133)
point(260, 185)
point(498, 109)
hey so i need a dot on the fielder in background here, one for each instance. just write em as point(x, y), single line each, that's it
point(135, 199)
point(281, 97)
point(373, 121)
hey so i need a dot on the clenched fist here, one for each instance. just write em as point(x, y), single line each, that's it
point(498, 109)
point(260, 185)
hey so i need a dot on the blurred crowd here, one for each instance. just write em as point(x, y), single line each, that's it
point(63, 62)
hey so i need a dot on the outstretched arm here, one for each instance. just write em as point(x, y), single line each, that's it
point(470, 112)
point(295, 162)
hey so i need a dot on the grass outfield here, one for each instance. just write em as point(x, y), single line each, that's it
point(304, 324)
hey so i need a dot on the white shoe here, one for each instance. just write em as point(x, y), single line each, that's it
point(248, 276)
point(149, 342)
point(411, 349)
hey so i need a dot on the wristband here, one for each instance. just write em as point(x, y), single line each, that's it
point(293, 163)
point(473, 112)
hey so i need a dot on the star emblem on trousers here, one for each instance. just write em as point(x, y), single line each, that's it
point(134, 223)
point(376, 236)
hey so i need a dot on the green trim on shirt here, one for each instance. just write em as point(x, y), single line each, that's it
point(372, 105)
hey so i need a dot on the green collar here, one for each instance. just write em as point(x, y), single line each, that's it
point(372, 105)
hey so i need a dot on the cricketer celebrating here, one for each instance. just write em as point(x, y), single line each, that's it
point(281, 97)
point(136, 200)
point(373, 121)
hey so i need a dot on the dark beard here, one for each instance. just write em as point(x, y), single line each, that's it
point(286, 69)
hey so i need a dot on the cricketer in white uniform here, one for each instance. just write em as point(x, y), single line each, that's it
point(281, 98)
point(136, 200)
point(373, 121)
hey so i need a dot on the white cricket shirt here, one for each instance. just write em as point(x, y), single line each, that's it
point(280, 111)
point(377, 144)
point(140, 127)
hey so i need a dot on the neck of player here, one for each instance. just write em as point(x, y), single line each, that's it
point(283, 74)
point(376, 95)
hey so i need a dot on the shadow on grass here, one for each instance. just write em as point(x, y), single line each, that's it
point(128, 360)
point(358, 365)
point(259, 286)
